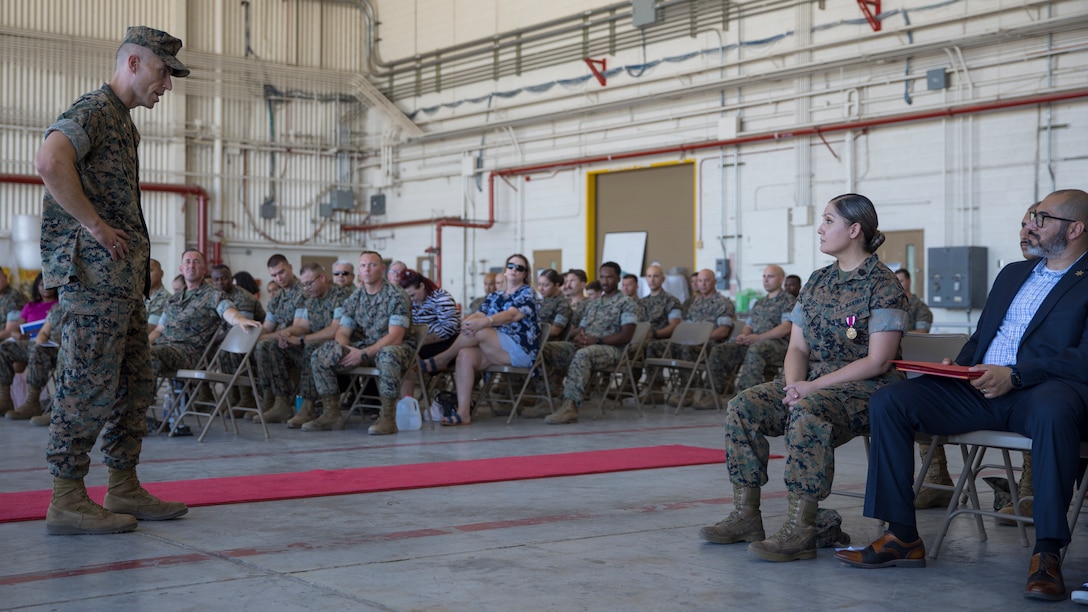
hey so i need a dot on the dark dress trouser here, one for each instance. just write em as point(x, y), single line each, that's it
point(1052, 414)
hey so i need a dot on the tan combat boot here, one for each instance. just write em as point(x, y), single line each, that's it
point(796, 539)
point(387, 419)
point(568, 413)
point(126, 496)
point(6, 405)
point(937, 474)
point(42, 420)
point(31, 408)
point(744, 524)
point(245, 398)
point(71, 512)
point(304, 415)
point(268, 398)
point(282, 410)
point(1026, 488)
point(332, 419)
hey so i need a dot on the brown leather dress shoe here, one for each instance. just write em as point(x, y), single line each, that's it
point(1045, 578)
point(887, 551)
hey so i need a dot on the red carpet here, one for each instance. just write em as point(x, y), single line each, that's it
point(31, 505)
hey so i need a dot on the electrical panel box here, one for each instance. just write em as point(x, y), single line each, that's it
point(957, 277)
point(936, 79)
point(343, 199)
point(269, 210)
point(643, 13)
point(377, 204)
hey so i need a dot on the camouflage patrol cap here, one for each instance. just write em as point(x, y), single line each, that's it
point(162, 44)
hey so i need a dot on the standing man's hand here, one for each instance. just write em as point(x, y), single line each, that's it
point(114, 240)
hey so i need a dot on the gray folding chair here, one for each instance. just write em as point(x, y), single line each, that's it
point(538, 368)
point(688, 333)
point(615, 382)
point(361, 374)
point(238, 341)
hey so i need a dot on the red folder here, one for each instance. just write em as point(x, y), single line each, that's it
point(937, 369)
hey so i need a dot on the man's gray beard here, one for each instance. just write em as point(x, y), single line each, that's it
point(1050, 249)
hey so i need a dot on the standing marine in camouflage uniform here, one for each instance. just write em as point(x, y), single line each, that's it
point(315, 324)
point(156, 300)
point(282, 307)
point(375, 331)
point(95, 250)
point(191, 319)
point(606, 328)
point(846, 327)
point(39, 356)
point(762, 343)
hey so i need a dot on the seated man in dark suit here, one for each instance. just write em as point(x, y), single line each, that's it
point(1031, 344)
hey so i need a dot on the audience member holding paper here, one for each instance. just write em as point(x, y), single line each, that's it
point(16, 350)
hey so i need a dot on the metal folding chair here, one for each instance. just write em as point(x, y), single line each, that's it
point(615, 382)
point(361, 374)
point(688, 333)
point(538, 368)
point(239, 342)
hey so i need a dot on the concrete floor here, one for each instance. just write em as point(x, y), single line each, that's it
point(619, 541)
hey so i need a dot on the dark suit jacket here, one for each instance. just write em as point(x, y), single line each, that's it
point(1055, 343)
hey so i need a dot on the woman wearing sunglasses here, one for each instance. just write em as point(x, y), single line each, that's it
point(504, 331)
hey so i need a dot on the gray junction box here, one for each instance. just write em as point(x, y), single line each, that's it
point(957, 277)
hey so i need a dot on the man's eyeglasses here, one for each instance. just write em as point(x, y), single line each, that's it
point(309, 284)
point(518, 267)
point(341, 273)
point(1040, 218)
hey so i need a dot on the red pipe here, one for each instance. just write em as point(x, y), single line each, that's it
point(951, 111)
point(196, 190)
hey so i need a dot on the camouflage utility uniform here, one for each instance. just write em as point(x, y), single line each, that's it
point(105, 382)
point(602, 317)
point(250, 307)
point(832, 416)
point(919, 316)
point(281, 312)
point(369, 318)
point(189, 322)
point(155, 304)
point(753, 361)
point(38, 359)
point(11, 305)
point(319, 312)
point(555, 311)
point(714, 308)
point(577, 311)
point(659, 309)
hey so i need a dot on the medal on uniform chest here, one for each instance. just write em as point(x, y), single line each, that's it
point(851, 333)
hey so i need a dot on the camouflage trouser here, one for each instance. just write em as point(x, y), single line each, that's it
point(753, 361)
point(813, 428)
point(166, 358)
point(12, 353)
point(274, 366)
point(656, 349)
point(104, 384)
point(39, 365)
point(580, 364)
point(392, 362)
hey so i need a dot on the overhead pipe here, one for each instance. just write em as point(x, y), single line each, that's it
point(951, 111)
point(214, 258)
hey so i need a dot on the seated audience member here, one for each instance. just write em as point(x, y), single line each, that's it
point(250, 307)
point(574, 287)
point(792, 285)
point(490, 286)
point(246, 281)
point(435, 308)
point(919, 316)
point(705, 305)
point(761, 344)
point(846, 327)
point(284, 302)
point(40, 363)
point(629, 286)
point(18, 351)
point(1030, 344)
point(505, 331)
point(190, 319)
point(396, 271)
point(608, 323)
point(343, 274)
point(177, 285)
point(374, 332)
point(661, 308)
point(316, 322)
point(157, 297)
point(554, 308)
point(593, 290)
point(11, 306)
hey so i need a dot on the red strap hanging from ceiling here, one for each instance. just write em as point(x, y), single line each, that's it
point(871, 8)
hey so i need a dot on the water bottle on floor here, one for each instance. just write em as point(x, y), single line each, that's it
point(408, 416)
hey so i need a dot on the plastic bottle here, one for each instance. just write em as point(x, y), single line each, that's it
point(298, 403)
point(408, 416)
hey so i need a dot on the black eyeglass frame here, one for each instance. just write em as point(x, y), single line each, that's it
point(1040, 218)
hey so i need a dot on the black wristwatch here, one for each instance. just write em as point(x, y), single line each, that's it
point(1014, 377)
point(598, 341)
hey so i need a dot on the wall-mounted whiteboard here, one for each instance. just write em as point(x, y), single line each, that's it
point(627, 249)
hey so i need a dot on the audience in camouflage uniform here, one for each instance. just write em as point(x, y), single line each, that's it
point(283, 303)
